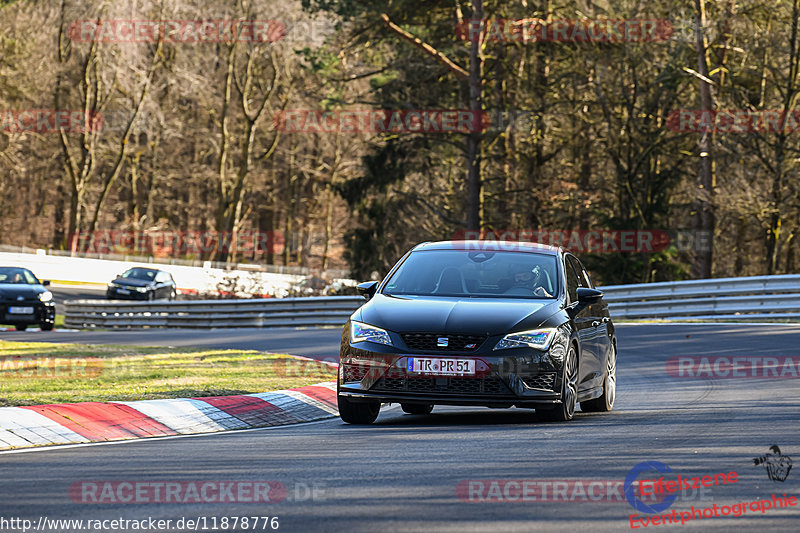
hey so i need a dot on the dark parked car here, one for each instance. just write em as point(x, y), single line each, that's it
point(24, 299)
point(479, 324)
point(141, 283)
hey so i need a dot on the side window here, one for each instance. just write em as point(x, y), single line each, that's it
point(588, 279)
point(583, 276)
point(572, 281)
point(162, 277)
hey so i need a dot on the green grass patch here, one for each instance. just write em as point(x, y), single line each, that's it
point(33, 373)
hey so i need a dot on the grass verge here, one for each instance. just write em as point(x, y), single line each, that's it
point(33, 373)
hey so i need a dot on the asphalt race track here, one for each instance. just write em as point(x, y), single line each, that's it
point(404, 473)
point(319, 343)
point(61, 293)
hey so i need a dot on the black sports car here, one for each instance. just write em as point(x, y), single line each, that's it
point(480, 324)
point(140, 283)
point(24, 300)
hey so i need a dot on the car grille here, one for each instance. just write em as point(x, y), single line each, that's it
point(443, 385)
point(544, 381)
point(353, 372)
point(428, 342)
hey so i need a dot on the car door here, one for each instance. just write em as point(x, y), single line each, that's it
point(600, 311)
point(596, 331)
point(162, 289)
point(173, 288)
point(583, 323)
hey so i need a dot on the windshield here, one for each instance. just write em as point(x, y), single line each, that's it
point(17, 275)
point(475, 274)
point(140, 273)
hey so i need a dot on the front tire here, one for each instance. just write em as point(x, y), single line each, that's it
point(569, 392)
point(417, 408)
point(605, 402)
point(46, 326)
point(21, 327)
point(362, 413)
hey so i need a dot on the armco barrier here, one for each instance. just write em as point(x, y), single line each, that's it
point(273, 312)
point(774, 297)
point(748, 298)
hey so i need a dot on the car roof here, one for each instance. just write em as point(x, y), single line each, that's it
point(490, 246)
point(145, 268)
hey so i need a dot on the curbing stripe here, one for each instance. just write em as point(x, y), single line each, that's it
point(316, 404)
point(217, 415)
point(181, 415)
point(103, 421)
point(252, 410)
point(323, 394)
point(299, 409)
point(74, 423)
point(21, 428)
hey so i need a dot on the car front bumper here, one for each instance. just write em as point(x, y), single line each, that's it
point(112, 293)
point(521, 376)
point(43, 312)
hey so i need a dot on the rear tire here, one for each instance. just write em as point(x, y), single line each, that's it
point(417, 408)
point(21, 327)
point(362, 413)
point(605, 402)
point(569, 392)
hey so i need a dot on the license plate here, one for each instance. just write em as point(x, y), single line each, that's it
point(123, 291)
point(20, 310)
point(441, 366)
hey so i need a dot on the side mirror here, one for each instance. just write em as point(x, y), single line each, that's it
point(45, 282)
point(588, 296)
point(367, 289)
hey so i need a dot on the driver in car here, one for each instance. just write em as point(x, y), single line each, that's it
point(532, 279)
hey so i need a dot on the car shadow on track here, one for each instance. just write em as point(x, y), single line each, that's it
point(443, 417)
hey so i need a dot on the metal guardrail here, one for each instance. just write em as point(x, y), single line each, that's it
point(256, 313)
point(760, 297)
point(756, 297)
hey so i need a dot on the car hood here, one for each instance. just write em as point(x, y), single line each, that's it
point(15, 290)
point(133, 282)
point(491, 316)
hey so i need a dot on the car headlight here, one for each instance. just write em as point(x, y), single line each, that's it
point(535, 338)
point(114, 285)
point(46, 296)
point(360, 332)
point(141, 289)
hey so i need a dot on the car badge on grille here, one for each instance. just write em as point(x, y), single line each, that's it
point(20, 298)
point(470, 346)
point(441, 342)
